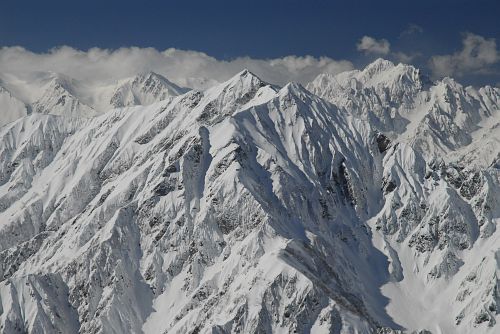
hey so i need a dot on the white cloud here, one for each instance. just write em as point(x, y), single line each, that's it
point(411, 29)
point(179, 66)
point(369, 44)
point(477, 56)
point(382, 47)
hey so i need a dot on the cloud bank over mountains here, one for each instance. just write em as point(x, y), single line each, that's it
point(478, 56)
point(187, 68)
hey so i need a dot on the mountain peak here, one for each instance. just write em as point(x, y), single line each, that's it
point(402, 78)
point(144, 89)
point(150, 77)
point(244, 72)
point(59, 81)
point(382, 66)
point(294, 88)
point(379, 65)
point(241, 90)
point(243, 81)
point(244, 75)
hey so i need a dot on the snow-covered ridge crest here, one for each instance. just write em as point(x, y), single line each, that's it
point(250, 208)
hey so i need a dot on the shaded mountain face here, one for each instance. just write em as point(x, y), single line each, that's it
point(11, 108)
point(249, 208)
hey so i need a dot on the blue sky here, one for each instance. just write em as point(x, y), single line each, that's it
point(412, 30)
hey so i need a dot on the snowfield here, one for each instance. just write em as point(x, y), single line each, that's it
point(366, 202)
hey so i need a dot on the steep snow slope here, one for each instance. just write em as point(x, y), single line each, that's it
point(254, 209)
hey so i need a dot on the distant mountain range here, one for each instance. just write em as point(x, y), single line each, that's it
point(57, 94)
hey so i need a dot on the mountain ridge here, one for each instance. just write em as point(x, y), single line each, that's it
point(254, 208)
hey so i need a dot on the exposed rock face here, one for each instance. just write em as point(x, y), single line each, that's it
point(248, 208)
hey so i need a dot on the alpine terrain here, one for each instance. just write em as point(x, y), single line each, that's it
point(365, 202)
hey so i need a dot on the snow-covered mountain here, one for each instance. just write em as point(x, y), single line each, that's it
point(438, 118)
point(367, 203)
point(143, 89)
point(58, 94)
point(59, 97)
